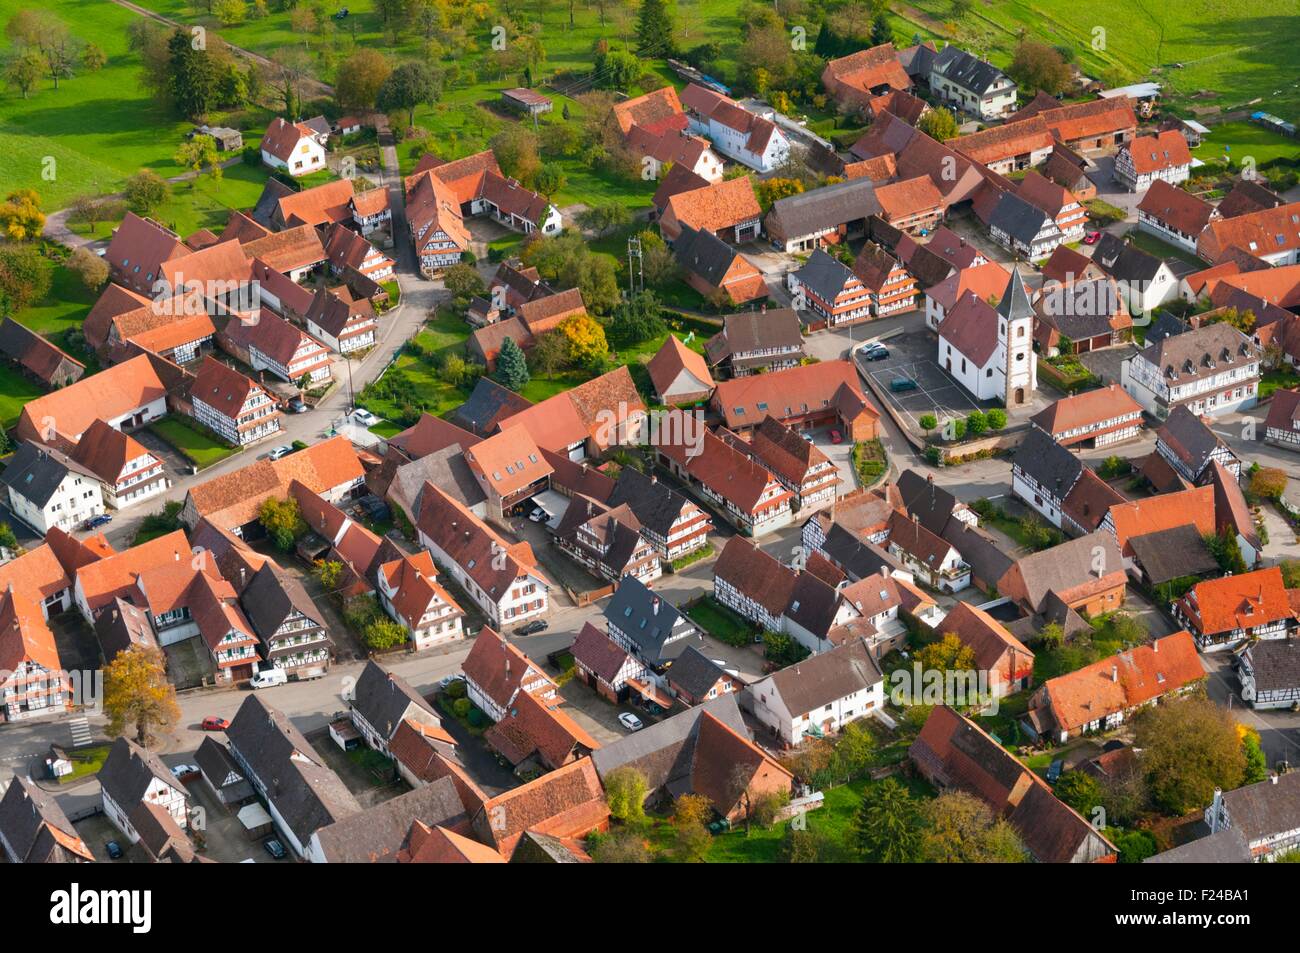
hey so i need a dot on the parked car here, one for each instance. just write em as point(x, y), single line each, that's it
point(278, 452)
point(215, 723)
point(531, 628)
point(630, 721)
point(539, 515)
point(1092, 238)
point(875, 352)
point(1054, 771)
point(297, 406)
point(836, 437)
point(275, 848)
point(341, 14)
point(96, 521)
point(900, 384)
point(364, 417)
point(185, 772)
point(114, 850)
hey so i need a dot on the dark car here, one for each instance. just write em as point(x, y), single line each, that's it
point(297, 406)
point(214, 723)
point(96, 521)
point(114, 850)
point(875, 352)
point(530, 628)
point(1054, 771)
point(275, 848)
point(341, 14)
point(900, 384)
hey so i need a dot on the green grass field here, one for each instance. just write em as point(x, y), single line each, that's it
point(65, 307)
point(15, 391)
point(1243, 139)
point(203, 450)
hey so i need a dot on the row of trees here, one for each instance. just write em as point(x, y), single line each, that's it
point(44, 48)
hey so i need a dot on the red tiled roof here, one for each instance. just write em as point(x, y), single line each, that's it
point(1176, 207)
point(1162, 512)
point(1165, 150)
point(111, 393)
point(1237, 602)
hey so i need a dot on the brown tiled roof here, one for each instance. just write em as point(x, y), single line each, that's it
point(1165, 150)
point(24, 636)
point(755, 573)
point(1271, 231)
point(908, 197)
point(867, 69)
point(994, 647)
point(1122, 682)
point(288, 250)
point(491, 561)
point(507, 461)
point(567, 802)
point(1089, 499)
point(139, 247)
point(971, 327)
point(1089, 407)
point(1097, 117)
point(722, 468)
point(105, 451)
point(282, 137)
point(438, 845)
point(543, 314)
point(1139, 517)
point(657, 110)
point(673, 358)
point(810, 384)
point(1002, 142)
point(536, 726)
point(720, 205)
point(110, 393)
point(1176, 207)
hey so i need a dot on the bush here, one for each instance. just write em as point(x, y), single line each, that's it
point(461, 707)
point(976, 423)
point(934, 456)
point(996, 418)
point(456, 689)
point(928, 422)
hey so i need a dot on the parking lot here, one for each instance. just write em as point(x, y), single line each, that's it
point(936, 392)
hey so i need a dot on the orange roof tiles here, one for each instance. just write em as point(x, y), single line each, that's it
point(24, 636)
point(1165, 511)
point(100, 582)
point(111, 393)
point(1244, 601)
point(507, 461)
point(721, 205)
point(1165, 150)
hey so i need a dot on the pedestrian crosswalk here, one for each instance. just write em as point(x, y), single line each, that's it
point(80, 732)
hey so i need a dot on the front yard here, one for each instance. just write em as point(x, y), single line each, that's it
point(721, 623)
point(195, 445)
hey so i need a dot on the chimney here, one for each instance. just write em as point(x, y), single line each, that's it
point(1155, 647)
point(1216, 810)
point(1114, 673)
point(654, 606)
point(884, 572)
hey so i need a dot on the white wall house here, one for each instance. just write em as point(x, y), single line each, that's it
point(972, 85)
point(292, 147)
point(256, 419)
point(791, 716)
point(45, 489)
point(1231, 390)
point(523, 596)
point(990, 352)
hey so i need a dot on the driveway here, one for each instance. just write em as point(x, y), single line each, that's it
point(1106, 362)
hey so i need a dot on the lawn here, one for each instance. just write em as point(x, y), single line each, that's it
point(85, 761)
point(1243, 139)
point(720, 622)
point(96, 128)
point(1283, 379)
point(198, 447)
point(1161, 248)
point(15, 391)
point(65, 307)
point(415, 376)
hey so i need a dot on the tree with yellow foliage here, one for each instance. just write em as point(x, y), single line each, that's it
point(137, 693)
point(21, 218)
point(586, 337)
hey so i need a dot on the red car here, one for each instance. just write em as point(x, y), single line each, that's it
point(1092, 238)
point(213, 723)
point(835, 437)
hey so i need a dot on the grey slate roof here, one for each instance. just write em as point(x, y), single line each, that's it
point(446, 469)
point(35, 472)
point(968, 72)
point(376, 834)
point(1018, 218)
point(1228, 846)
point(217, 765)
point(1166, 324)
point(488, 404)
point(824, 275)
point(695, 672)
point(703, 253)
point(931, 505)
point(663, 752)
point(655, 504)
point(1266, 808)
point(1124, 262)
point(821, 679)
point(1276, 664)
point(856, 557)
point(128, 771)
point(1172, 553)
point(1191, 440)
point(306, 793)
point(382, 698)
point(754, 331)
point(988, 563)
point(269, 202)
point(1047, 462)
point(647, 619)
point(271, 596)
point(25, 809)
point(121, 626)
point(824, 208)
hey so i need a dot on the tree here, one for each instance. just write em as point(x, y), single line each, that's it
point(1242, 320)
point(512, 366)
point(996, 418)
point(881, 31)
point(359, 79)
point(192, 82)
point(976, 423)
point(289, 70)
point(770, 190)
point(691, 838)
point(137, 694)
point(1268, 483)
point(21, 218)
point(550, 352)
point(938, 123)
point(654, 30)
point(1039, 66)
point(24, 70)
point(638, 319)
point(329, 572)
point(383, 633)
point(959, 828)
point(146, 191)
point(409, 86)
point(90, 269)
point(1189, 747)
point(587, 344)
point(886, 829)
point(25, 276)
point(949, 654)
point(516, 149)
point(603, 219)
point(658, 263)
point(1290, 573)
point(464, 282)
point(621, 847)
point(282, 520)
point(42, 32)
point(928, 422)
point(1252, 749)
point(1081, 791)
point(230, 12)
point(625, 793)
point(1052, 635)
point(549, 179)
point(197, 152)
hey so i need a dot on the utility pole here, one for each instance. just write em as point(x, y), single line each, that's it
point(634, 273)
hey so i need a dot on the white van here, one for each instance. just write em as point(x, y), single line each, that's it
point(268, 677)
